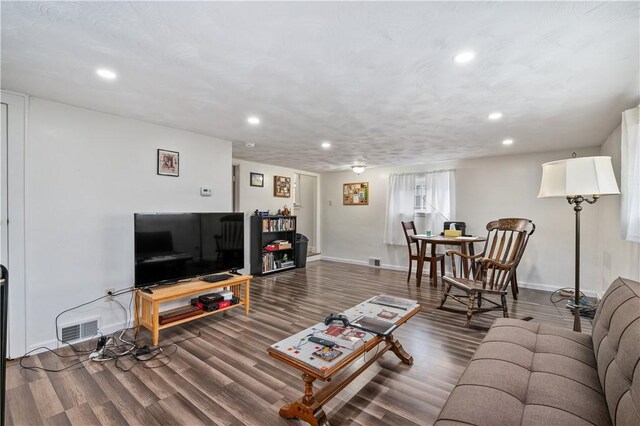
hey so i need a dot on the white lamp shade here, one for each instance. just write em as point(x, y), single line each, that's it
point(578, 176)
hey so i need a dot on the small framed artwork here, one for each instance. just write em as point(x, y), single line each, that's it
point(168, 163)
point(257, 179)
point(355, 194)
point(281, 186)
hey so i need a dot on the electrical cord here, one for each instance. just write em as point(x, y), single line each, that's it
point(114, 348)
point(113, 295)
point(560, 298)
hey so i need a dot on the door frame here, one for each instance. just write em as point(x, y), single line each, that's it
point(17, 106)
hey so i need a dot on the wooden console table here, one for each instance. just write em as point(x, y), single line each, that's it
point(309, 407)
point(147, 305)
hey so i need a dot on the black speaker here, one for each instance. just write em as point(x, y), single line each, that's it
point(4, 303)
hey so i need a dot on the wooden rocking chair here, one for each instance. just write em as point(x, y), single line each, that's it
point(492, 270)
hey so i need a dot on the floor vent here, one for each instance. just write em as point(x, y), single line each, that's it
point(374, 261)
point(84, 330)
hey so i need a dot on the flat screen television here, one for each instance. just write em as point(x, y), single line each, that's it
point(174, 246)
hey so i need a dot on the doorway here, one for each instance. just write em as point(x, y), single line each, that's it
point(12, 216)
point(306, 209)
point(235, 187)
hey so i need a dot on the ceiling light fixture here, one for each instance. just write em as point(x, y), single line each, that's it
point(106, 74)
point(253, 120)
point(507, 142)
point(464, 57)
point(495, 116)
point(326, 145)
point(357, 169)
point(250, 145)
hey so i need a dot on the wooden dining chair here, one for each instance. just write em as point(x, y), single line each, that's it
point(409, 229)
point(493, 269)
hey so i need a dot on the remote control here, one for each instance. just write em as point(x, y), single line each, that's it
point(323, 342)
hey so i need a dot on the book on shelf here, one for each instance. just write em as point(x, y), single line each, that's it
point(278, 224)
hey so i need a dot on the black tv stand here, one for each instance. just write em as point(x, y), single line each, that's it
point(234, 271)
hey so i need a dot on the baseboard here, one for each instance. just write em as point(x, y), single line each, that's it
point(363, 263)
point(521, 284)
point(314, 258)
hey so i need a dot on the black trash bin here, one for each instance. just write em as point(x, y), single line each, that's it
point(302, 243)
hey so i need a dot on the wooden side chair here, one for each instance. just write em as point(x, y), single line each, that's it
point(409, 229)
point(492, 270)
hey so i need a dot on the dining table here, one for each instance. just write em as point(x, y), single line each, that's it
point(464, 242)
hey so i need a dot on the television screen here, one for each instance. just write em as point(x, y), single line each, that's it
point(174, 246)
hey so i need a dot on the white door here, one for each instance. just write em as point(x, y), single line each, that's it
point(12, 223)
point(305, 207)
point(4, 241)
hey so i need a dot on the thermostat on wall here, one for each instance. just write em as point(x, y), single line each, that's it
point(205, 191)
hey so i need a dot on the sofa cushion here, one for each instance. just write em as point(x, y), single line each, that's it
point(616, 341)
point(527, 373)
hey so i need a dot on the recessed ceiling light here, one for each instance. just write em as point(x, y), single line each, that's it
point(507, 142)
point(464, 57)
point(495, 116)
point(106, 74)
point(253, 120)
point(326, 145)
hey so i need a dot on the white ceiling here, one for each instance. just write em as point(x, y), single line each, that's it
point(376, 79)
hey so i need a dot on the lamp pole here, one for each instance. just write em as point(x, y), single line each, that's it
point(577, 201)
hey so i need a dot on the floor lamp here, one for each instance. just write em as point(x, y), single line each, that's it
point(577, 179)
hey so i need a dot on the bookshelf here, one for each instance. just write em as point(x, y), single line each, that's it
point(267, 256)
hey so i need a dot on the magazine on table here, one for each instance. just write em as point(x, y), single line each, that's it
point(374, 325)
point(349, 337)
point(393, 302)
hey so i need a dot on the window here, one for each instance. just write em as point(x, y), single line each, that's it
point(421, 196)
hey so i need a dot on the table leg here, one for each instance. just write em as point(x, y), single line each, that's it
point(136, 317)
point(246, 298)
point(156, 323)
point(397, 349)
point(306, 408)
point(433, 268)
point(421, 255)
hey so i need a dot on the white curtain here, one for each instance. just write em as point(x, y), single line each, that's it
point(630, 176)
point(400, 206)
point(441, 198)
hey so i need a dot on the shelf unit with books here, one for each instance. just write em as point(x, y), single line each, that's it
point(273, 244)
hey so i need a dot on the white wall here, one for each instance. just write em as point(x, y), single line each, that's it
point(618, 257)
point(486, 189)
point(261, 198)
point(86, 174)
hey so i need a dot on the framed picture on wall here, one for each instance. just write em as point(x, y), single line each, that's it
point(281, 186)
point(256, 179)
point(168, 163)
point(355, 194)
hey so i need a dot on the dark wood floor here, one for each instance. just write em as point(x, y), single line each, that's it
point(226, 377)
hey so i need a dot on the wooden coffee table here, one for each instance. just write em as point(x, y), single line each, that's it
point(296, 351)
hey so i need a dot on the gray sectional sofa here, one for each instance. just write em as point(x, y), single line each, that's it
point(535, 374)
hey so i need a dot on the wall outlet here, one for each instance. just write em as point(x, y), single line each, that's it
point(109, 292)
point(205, 191)
point(374, 261)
